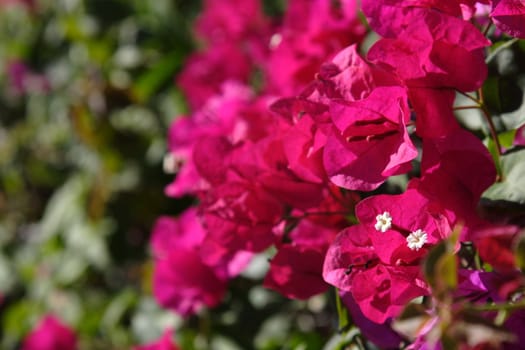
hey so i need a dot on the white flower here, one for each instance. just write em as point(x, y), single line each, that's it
point(383, 222)
point(417, 239)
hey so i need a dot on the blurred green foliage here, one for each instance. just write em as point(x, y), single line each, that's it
point(82, 138)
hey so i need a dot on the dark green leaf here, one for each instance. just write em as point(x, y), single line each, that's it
point(154, 78)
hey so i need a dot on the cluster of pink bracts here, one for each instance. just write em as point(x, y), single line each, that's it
point(289, 121)
point(290, 125)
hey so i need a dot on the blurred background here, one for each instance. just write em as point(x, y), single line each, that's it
point(86, 96)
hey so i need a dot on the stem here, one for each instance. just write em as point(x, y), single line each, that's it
point(472, 98)
point(500, 48)
point(465, 107)
point(487, 28)
point(498, 307)
point(488, 118)
point(493, 134)
point(492, 128)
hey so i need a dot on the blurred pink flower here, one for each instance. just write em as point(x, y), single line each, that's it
point(50, 334)
point(164, 343)
point(22, 80)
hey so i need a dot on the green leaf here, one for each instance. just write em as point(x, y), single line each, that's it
point(513, 111)
point(16, 322)
point(440, 266)
point(506, 138)
point(117, 309)
point(154, 78)
point(512, 188)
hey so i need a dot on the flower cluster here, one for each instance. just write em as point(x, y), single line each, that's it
point(286, 163)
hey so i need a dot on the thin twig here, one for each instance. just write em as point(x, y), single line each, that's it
point(472, 98)
point(466, 107)
point(487, 28)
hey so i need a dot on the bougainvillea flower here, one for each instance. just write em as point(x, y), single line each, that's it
point(509, 16)
point(50, 334)
point(411, 216)
point(318, 16)
point(233, 115)
point(230, 20)
point(376, 10)
point(164, 343)
point(370, 141)
point(240, 215)
point(183, 283)
point(368, 111)
point(495, 245)
point(434, 113)
point(313, 31)
point(302, 146)
point(296, 272)
point(283, 184)
point(352, 265)
point(427, 48)
point(205, 72)
point(182, 280)
point(210, 156)
point(251, 184)
point(306, 125)
point(168, 234)
point(349, 77)
point(187, 180)
point(381, 267)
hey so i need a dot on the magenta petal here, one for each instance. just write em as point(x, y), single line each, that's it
point(164, 343)
point(410, 211)
point(509, 17)
point(434, 116)
point(182, 282)
point(299, 194)
point(296, 272)
point(430, 49)
point(363, 165)
point(370, 141)
point(186, 182)
point(458, 154)
point(456, 169)
point(381, 334)
point(50, 334)
point(407, 283)
point(210, 156)
point(351, 246)
point(372, 293)
point(170, 234)
point(386, 16)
